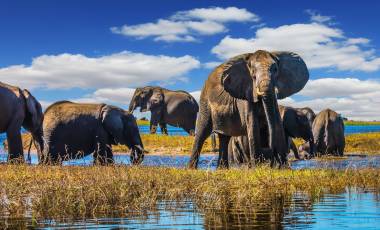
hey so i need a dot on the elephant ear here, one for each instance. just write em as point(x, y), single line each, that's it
point(156, 99)
point(236, 78)
point(34, 109)
point(293, 74)
point(113, 123)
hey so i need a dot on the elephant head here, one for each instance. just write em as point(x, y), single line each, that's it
point(305, 130)
point(147, 98)
point(122, 128)
point(262, 78)
point(33, 119)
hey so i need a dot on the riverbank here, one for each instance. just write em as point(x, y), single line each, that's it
point(87, 192)
point(364, 143)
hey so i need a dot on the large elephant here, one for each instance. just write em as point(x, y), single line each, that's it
point(328, 132)
point(240, 98)
point(296, 125)
point(176, 108)
point(19, 109)
point(73, 130)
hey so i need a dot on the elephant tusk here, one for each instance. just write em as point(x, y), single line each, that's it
point(258, 92)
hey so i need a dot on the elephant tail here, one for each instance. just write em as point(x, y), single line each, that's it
point(29, 159)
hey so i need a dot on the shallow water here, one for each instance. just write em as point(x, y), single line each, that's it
point(353, 209)
point(210, 161)
point(349, 129)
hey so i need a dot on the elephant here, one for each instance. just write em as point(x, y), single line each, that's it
point(295, 124)
point(309, 114)
point(73, 130)
point(19, 108)
point(240, 98)
point(176, 108)
point(328, 132)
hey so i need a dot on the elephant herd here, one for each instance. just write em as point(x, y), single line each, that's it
point(238, 103)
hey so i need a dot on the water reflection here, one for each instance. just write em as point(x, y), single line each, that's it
point(210, 161)
point(352, 209)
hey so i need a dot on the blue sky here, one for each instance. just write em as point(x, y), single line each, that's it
point(99, 51)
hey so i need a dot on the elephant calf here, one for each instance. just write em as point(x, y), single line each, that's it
point(296, 125)
point(73, 130)
point(328, 132)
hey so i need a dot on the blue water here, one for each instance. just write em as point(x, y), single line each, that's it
point(349, 129)
point(350, 209)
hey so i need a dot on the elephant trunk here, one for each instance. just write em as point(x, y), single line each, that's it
point(270, 115)
point(132, 104)
point(38, 142)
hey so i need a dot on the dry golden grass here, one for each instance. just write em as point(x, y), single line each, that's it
point(83, 192)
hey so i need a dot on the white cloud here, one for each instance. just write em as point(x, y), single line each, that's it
point(211, 64)
point(196, 95)
point(218, 14)
point(320, 45)
point(316, 17)
point(353, 98)
point(124, 69)
point(185, 25)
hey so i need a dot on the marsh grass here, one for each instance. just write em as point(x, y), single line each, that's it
point(143, 122)
point(71, 192)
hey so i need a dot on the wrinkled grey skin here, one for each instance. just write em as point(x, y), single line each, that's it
point(73, 130)
point(19, 109)
point(296, 125)
point(309, 114)
point(328, 132)
point(239, 98)
point(176, 108)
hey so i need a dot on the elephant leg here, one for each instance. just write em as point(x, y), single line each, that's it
point(154, 120)
point(164, 129)
point(103, 154)
point(223, 151)
point(293, 147)
point(15, 147)
point(213, 142)
point(252, 133)
point(203, 131)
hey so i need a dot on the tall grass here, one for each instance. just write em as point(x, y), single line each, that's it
point(84, 192)
point(362, 122)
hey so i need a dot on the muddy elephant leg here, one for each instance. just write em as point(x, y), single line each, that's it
point(293, 147)
point(223, 151)
point(15, 148)
point(164, 129)
point(203, 131)
point(154, 120)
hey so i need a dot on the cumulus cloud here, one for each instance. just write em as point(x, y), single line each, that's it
point(124, 69)
point(321, 46)
point(211, 64)
point(185, 25)
point(316, 17)
point(353, 98)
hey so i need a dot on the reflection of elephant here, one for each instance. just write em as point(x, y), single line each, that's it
point(176, 108)
point(73, 130)
point(239, 98)
point(19, 108)
point(328, 132)
point(296, 125)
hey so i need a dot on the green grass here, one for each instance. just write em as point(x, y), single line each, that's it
point(69, 192)
point(143, 122)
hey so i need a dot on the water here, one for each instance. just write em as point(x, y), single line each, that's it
point(350, 209)
point(349, 129)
